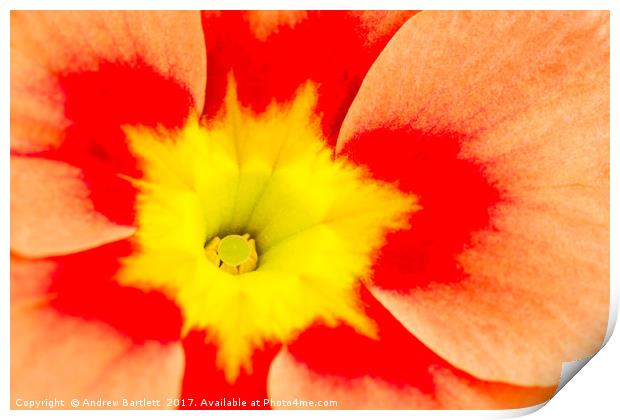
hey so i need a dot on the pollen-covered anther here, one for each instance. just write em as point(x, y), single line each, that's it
point(234, 254)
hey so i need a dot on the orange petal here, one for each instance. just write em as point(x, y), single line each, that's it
point(67, 357)
point(47, 45)
point(471, 71)
point(290, 379)
point(51, 213)
point(528, 94)
point(30, 280)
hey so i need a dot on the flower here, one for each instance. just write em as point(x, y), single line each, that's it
point(383, 209)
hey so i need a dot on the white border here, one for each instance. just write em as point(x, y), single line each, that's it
point(309, 4)
point(574, 401)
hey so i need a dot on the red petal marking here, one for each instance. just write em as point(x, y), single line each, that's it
point(455, 196)
point(203, 379)
point(395, 371)
point(333, 49)
point(83, 285)
point(98, 103)
point(396, 357)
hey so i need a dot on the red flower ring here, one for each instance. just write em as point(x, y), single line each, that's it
point(379, 209)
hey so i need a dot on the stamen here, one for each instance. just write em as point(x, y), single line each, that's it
point(234, 254)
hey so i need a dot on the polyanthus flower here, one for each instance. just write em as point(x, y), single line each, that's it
point(383, 209)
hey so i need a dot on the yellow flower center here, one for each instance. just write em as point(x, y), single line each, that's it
point(253, 228)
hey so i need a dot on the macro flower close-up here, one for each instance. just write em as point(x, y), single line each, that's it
point(306, 209)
